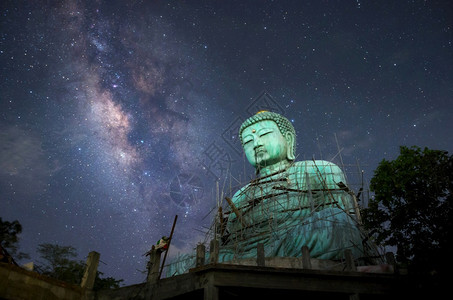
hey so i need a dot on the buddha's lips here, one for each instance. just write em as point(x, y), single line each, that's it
point(259, 151)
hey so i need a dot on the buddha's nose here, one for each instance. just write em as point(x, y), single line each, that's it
point(257, 143)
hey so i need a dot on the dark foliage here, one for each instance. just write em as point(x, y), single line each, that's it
point(412, 209)
point(9, 238)
point(59, 263)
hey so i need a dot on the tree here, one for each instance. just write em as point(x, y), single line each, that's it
point(60, 264)
point(9, 238)
point(56, 257)
point(412, 208)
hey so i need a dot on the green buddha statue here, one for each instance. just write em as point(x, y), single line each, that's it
point(290, 204)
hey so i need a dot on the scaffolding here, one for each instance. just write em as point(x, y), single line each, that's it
point(308, 203)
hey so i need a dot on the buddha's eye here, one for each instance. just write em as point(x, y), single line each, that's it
point(264, 132)
point(246, 141)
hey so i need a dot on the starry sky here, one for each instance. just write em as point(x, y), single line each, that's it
point(115, 116)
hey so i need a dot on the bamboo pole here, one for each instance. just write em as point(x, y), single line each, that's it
point(235, 210)
point(169, 241)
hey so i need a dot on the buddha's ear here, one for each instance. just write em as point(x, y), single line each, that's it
point(290, 155)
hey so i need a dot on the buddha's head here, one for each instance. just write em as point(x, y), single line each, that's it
point(268, 138)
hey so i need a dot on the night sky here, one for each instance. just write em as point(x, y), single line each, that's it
point(117, 115)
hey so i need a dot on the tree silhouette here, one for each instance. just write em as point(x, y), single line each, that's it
point(412, 208)
point(9, 238)
point(59, 263)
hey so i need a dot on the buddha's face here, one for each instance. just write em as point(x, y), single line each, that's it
point(264, 144)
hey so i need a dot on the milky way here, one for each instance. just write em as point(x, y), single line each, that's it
point(116, 117)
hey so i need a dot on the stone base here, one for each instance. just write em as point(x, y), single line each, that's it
point(316, 264)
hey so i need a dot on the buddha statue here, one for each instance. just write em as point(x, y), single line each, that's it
point(291, 203)
point(288, 205)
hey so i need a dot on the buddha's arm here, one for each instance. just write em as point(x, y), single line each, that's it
point(329, 178)
point(234, 212)
point(328, 174)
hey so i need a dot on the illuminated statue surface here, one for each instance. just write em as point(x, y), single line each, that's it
point(289, 205)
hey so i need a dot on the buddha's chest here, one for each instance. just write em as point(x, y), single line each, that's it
point(266, 199)
point(278, 196)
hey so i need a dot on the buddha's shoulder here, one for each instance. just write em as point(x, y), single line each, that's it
point(316, 165)
point(240, 192)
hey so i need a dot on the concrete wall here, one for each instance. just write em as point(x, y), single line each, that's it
point(137, 291)
point(18, 283)
point(316, 264)
point(291, 262)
